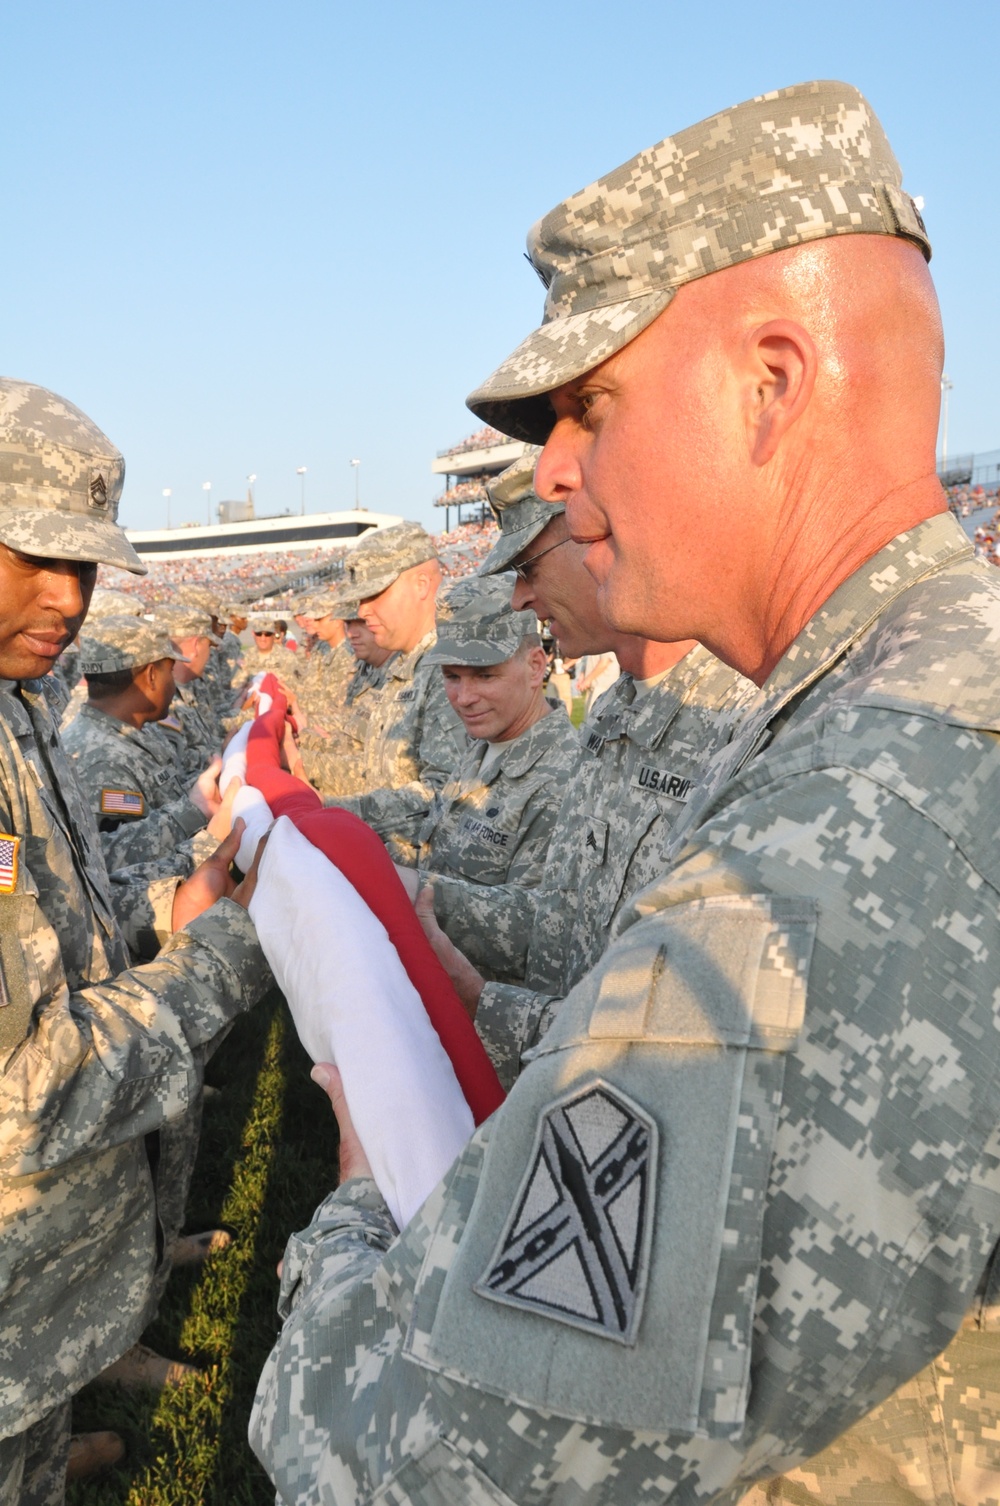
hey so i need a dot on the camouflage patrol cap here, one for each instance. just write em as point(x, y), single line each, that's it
point(263, 622)
point(200, 596)
point(475, 624)
point(383, 555)
point(789, 167)
point(108, 603)
point(60, 481)
point(183, 621)
point(521, 514)
point(116, 643)
point(343, 601)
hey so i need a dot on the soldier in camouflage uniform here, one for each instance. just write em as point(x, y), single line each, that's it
point(187, 723)
point(99, 1057)
point(143, 807)
point(213, 690)
point(413, 739)
point(492, 822)
point(643, 754)
point(320, 683)
point(750, 1181)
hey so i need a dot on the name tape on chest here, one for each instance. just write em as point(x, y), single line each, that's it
point(10, 847)
point(407, 695)
point(576, 1243)
point(122, 803)
point(483, 832)
point(663, 782)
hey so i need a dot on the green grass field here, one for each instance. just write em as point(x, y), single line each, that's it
point(267, 1157)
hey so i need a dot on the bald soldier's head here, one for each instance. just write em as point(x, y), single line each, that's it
point(738, 371)
point(771, 430)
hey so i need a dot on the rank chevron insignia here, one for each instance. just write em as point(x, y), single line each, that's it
point(576, 1245)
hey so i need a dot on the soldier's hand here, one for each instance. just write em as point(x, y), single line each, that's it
point(221, 823)
point(353, 1161)
point(210, 881)
point(290, 755)
point(204, 793)
point(243, 893)
point(468, 983)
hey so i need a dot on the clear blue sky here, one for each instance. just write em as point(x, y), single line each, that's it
point(249, 237)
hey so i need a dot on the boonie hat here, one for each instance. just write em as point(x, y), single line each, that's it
point(383, 555)
point(183, 621)
point(60, 481)
point(780, 170)
point(475, 624)
point(521, 515)
point(116, 643)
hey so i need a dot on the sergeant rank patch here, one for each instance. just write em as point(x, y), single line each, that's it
point(9, 848)
point(576, 1245)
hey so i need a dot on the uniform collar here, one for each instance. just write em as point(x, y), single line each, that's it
point(404, 666)
point(855, 605)
point(522, 753)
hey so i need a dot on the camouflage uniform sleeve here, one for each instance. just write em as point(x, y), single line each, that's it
point(510, 1019)
point(156, 835)
point(694, 1164)
point(397, 813)
point(143, 901)
point(113, 1061)
point(490, 923)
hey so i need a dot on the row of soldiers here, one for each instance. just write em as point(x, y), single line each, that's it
point(735, 1227)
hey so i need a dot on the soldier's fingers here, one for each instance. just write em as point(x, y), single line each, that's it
point(353, 1161)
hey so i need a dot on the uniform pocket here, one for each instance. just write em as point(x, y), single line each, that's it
point(440, 1476)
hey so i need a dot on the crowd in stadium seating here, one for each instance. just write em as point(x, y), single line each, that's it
point(472, 490)
point(482, 439)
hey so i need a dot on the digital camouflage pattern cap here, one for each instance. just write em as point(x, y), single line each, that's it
point(117, 643)
point(183, 621)
point(520, 514)
point(383, 555)
point(343, 601)
point(200, 596)
point(60, 481)
point(263, 622)
point(108, 603)
point(789, 167)
point(475, 624)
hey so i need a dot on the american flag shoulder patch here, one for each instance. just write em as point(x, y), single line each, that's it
point(9, 848)
point(122, 803)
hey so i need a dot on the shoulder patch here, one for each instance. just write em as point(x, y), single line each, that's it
point(576, 1243)
point(10, 846)
point(122, 803)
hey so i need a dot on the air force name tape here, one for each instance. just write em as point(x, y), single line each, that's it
point(576, 1244)
point(122, 803)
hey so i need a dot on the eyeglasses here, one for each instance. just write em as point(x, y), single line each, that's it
point(262, 633)
point(521, 570)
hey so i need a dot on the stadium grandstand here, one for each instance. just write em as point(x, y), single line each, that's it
point(466, 467)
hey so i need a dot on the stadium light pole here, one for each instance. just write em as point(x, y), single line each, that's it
point(250, 481)
point(357, 467)
point(300, 471)
point(168, 494)
point(946, 385)
point(206, 487)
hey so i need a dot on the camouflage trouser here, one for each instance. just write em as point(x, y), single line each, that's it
point(935, 1442)
point(33, 1463)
